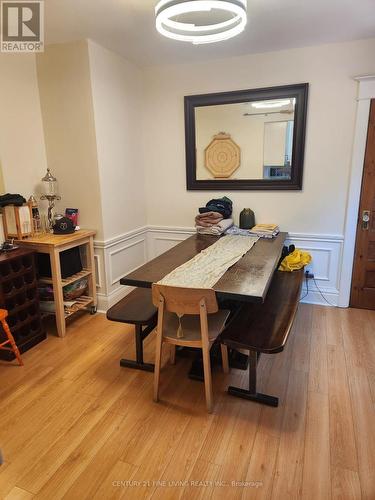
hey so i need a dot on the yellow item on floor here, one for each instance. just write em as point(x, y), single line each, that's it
point(295, 260)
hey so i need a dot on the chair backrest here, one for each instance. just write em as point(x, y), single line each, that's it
point(184, 300)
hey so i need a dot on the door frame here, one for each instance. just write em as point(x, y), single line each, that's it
point(366, 92)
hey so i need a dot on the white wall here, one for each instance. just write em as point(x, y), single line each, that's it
point(117, 89)
point(68, 120)
point(22, 149)
point(117, 96)
point(133, 125)
point(320, 207)
point(91, 103)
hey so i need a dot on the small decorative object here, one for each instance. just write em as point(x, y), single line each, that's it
point(222, 156)
point(63, 225)
point(37, 222)
point(45, 227)
point(247, 219)
point(18, 221)
point(50, 195)
point(72, 213)
point(57, 217)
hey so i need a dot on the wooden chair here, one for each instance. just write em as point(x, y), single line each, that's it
point(10, 340)
point(188, 317)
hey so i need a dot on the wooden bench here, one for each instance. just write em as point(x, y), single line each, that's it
point(136, 309)
point(264, 328)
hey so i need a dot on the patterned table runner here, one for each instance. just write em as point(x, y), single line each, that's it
point(206, 268)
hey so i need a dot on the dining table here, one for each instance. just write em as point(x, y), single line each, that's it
point(248, 280)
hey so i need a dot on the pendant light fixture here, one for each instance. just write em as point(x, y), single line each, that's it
point(201, 21)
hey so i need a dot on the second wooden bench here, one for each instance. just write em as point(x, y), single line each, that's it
point(265, 328)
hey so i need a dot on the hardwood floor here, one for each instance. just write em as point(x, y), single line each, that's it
point(75, 425)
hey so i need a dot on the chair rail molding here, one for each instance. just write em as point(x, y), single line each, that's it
point(366, 92)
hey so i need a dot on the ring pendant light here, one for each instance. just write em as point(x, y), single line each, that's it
point(168, 11)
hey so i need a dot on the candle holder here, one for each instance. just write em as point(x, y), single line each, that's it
point(50, 195)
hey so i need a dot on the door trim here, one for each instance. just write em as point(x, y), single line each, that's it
point(366, 92)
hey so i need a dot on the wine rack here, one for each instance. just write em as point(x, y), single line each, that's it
point(19, 296)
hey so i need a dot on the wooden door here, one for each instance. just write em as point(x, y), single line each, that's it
point(363, 282)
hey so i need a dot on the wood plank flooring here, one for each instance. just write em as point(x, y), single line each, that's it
point(74, 425)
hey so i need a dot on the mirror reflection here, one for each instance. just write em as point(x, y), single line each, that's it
point(248, 140)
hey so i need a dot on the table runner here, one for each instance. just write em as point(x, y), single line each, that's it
point(206, 268)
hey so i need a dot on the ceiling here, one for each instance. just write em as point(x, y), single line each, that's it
point(127, 27)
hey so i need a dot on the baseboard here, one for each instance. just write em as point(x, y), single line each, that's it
point(324, 298)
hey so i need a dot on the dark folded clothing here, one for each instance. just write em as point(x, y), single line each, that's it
point(11, 199)
point(222, 205)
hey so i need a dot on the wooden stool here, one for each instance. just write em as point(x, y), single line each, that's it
point(8, 333)
point(136, 309)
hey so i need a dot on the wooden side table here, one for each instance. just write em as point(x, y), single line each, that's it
point(53, 245)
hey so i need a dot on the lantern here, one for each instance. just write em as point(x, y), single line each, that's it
point(50, 189)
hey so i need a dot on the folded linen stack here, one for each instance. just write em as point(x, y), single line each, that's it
point(208, 219)
point(214, 218)
point(216, 229)
point(265, 230)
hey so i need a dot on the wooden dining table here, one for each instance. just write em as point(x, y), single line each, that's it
point(246, 281)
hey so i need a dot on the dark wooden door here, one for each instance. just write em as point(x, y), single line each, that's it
point(363, 282)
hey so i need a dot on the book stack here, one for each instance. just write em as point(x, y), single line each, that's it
point(265, 230)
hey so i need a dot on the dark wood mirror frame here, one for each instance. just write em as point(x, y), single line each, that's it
point(299, 92)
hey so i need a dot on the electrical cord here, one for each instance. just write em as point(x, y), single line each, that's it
point(321, 293)
point(307, 289)
point(319, 290)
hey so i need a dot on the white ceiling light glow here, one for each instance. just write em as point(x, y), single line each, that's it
point(276, 103)
point(223, 19)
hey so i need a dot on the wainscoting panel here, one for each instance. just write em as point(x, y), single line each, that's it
point(125, 253)
point(120, 256)
point(161, 239)
point(326, 252)
point(125, 258)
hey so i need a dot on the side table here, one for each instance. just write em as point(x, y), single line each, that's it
point(53, 245)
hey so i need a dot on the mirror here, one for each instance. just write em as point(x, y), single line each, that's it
point(251, 139)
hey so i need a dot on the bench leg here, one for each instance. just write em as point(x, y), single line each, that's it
point(139, 364)
point(252, 394)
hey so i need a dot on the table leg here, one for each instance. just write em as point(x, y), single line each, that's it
point(139, 364)
point(58, 292)
point(251, 393)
